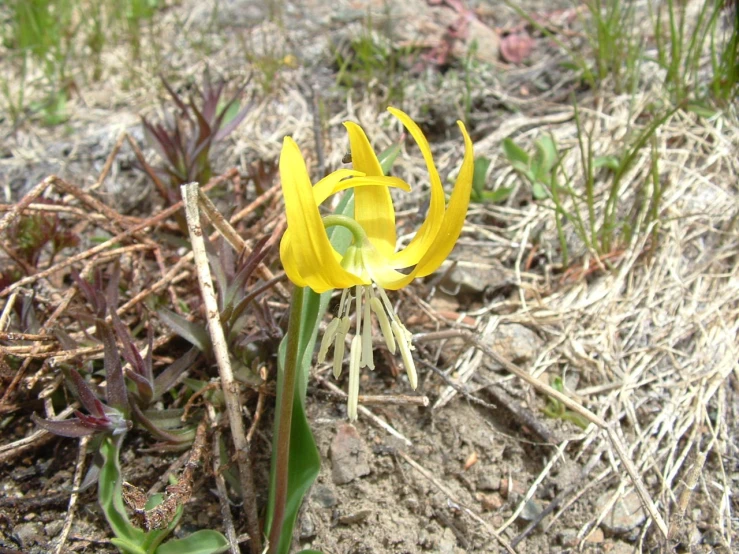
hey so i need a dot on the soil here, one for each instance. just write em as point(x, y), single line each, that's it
point(648, 343)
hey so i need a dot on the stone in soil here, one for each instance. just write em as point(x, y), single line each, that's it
point(349, 458)
point(28, 533)
point(515, 342)
point(626, 514)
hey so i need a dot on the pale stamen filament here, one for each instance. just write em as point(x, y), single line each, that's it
point(354, 358)
point(367, 358)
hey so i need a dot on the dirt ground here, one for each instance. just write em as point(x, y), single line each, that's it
point(645, 339)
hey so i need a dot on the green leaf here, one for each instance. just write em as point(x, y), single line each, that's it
point(478, 179)
point(515, 153)
point(195, 334)
point(611, 162)
point(387, 158)
point(110, 497)
point(496, 196)
point(538, 191)
point(546, 153)
point(701, 109)
point(205, 541)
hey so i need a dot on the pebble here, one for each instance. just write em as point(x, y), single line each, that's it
point(568, 537)
point(515, 342)
point(28, 533)
point(531, 511)
point(491, 502)
point(53, 528)
point(307, 526)
point(596, 537)
point(323, 496)
point(625, 515)
point(487, 481)
point(354, 517)
point(349, 458)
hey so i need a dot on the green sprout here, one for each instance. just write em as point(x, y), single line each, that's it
point(556, 410)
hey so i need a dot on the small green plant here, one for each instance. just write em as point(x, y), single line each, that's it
point(600, 230)
point(130, 395)
point(50, 37)
point(161, 513)
point(32, 234)
point(184, 140)
point(371, 61)
point(479, 194)
point(230, 277)
point(684, 41)
point(616, 43)
point(556, 410)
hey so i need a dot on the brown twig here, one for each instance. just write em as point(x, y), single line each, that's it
point(228, 523)
point(109, 161)
point(220, 349)
point(76, 482)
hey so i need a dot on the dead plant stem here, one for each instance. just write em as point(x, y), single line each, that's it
point(220, 349)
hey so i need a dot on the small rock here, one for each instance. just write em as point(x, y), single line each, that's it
point(596, 537)
point(488, 481)
point(510, 487)
point(349, 458)
point(515, 342)
point(491, 502)
point(620, 547)
point(568, 538)
point(323, 496)
point(28, 533)
point(354, 517)
point(307, 526)
point(53, 528)
point(531, 511)
point(625, 515)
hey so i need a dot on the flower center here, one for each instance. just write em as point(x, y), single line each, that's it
point(367, 299)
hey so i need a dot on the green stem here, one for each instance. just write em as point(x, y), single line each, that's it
point(348, 223)
point(285, 413)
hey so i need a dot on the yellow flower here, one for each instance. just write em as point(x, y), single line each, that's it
point(371, 264)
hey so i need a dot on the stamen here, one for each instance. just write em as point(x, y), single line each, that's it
point(354, 356)
point(339, 345)
point(328, 338)
point(367, 360)
point(403, 338)
point(387, 333)
point(342, 304)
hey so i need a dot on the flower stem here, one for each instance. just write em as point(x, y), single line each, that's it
point(285, 411)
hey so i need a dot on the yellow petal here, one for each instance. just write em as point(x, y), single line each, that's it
point(307, 251)
point(455, 214)
point(332, 184)
point(426, 234)
point(381, 269)
point(373, 207)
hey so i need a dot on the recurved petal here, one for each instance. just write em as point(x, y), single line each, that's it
point(331, 184)
point(373, 205)
point(426, 234)
point(455, 214)
point(308, 252)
